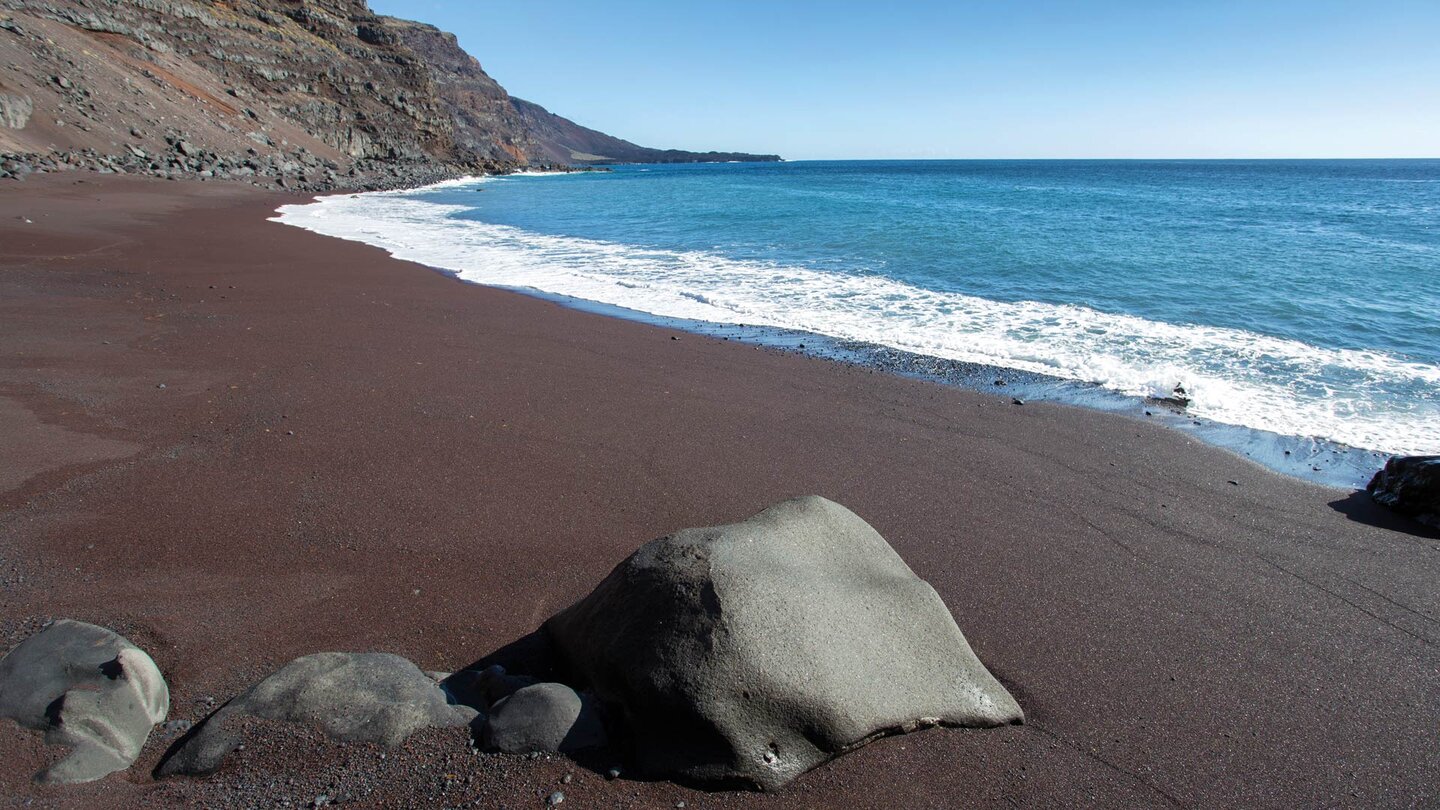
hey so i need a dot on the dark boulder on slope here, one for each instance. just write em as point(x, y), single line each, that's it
point(1411, 486)
point(745, 655)
point(87, 689)
point(350, 697)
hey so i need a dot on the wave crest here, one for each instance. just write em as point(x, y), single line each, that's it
point(1365, 399)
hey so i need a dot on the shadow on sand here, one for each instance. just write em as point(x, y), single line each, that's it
point(1361, 508)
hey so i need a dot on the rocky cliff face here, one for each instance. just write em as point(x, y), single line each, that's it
point(307, 93)
point(497, 125)
point(482, 115)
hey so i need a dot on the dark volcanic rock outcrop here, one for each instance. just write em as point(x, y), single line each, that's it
point(87, 689)
point(744, 655)
point(321, 93)
point(351, 697)
point(1411, 486)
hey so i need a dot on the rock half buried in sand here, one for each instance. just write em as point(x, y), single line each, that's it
point(483, 688)
point(1411, 486)
point(87, 688)
point(744, 655)
point(351, 697)
point(542, 717)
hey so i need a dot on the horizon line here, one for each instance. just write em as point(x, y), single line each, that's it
point(1135, 159)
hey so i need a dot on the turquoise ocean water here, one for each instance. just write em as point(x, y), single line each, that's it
point(1295, 303)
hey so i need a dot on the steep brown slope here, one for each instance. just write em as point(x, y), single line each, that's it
point(252, 80)
point(310, 93)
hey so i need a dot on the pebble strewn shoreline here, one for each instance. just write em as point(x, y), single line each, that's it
point(298, 170)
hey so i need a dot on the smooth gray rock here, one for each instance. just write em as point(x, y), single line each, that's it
point(1411, 486)
point(88, 689)
point(745, 655)
point(542, 717)
point(351, 697)
point(483, 688)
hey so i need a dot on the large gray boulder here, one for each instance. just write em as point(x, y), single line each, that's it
point(351, 697)
point(87, 689)
point(542, 717)
point(1411, 486)
point(744, 655)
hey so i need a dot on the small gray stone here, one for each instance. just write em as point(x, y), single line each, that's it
point(542, 717)
point(174, 727)
point(555, 799)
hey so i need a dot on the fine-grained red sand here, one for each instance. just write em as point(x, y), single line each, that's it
point(353, 453)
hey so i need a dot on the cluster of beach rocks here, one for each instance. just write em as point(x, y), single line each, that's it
point(722, 657)
point(299, 170)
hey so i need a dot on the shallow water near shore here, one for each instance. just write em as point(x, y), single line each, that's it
point(1293, 302)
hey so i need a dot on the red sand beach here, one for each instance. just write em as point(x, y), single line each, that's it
point(236, 442)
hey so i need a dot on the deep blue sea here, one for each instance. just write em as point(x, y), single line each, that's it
point(1295, 298)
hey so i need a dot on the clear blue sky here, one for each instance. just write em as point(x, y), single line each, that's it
point(999, 78)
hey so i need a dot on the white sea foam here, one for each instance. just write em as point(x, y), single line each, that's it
point(1232, 376)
